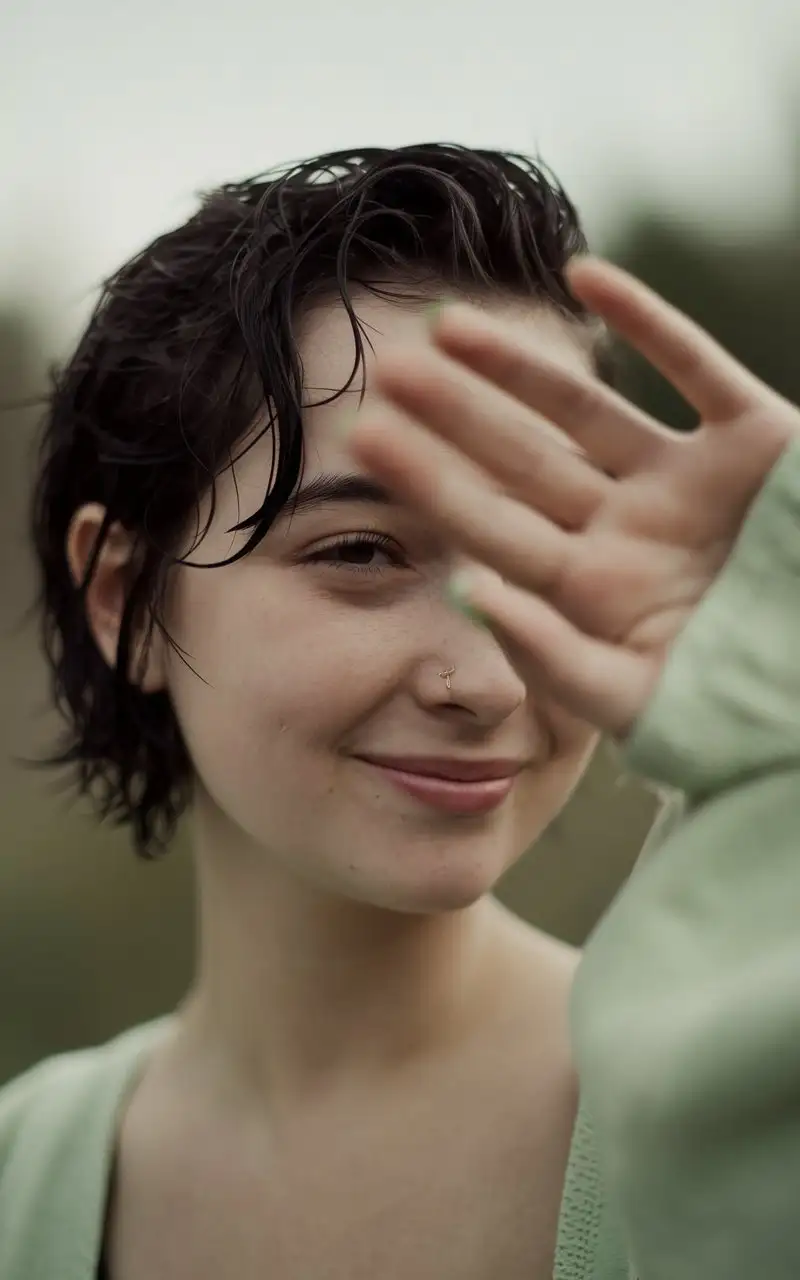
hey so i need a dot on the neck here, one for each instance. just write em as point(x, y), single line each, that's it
point(297, 989)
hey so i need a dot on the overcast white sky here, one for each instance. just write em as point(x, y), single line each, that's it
point(113, 112)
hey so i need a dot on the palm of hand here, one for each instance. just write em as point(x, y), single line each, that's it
point(652, 548)
point(597, 553)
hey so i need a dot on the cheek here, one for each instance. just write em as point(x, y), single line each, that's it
point(577, 738)
point(572, 740)
point(576, 742)
point(254, 665)
point(273, 668)
point(572, 745)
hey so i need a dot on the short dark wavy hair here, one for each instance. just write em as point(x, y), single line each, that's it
point(190, 341)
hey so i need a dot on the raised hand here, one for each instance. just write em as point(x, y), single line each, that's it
point(599, 551)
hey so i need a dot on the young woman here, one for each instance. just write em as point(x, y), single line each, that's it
point(248, 607)
point(371, 1074)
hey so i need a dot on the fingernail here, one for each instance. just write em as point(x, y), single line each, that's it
point(457, 594)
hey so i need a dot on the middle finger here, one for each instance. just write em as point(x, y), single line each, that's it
point(617, 436)
point(532, 459)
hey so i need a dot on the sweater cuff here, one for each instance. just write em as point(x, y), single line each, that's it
point(727, 704)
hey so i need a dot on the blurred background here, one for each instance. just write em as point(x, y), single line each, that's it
point(675, 128)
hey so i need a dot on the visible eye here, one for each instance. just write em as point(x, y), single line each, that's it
point(360, 553)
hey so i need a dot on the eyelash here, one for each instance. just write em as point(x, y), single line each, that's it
point(378, 541)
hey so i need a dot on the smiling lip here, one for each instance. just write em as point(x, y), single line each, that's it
point(455, 786)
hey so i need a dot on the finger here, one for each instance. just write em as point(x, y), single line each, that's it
point(604, 684)
point(718, 386)
point(532, 459)
point(616, 435)
point(431, 476)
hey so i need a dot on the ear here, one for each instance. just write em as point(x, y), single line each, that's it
point(107, 592)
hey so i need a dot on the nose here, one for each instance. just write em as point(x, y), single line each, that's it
point(469, 676)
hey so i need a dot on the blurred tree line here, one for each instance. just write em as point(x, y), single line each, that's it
point(91, 940)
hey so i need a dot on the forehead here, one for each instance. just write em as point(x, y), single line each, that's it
point(328, 351)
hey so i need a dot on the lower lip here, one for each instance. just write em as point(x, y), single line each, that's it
point(447, 795)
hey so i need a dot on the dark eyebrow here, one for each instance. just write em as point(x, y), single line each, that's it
point(326, 489)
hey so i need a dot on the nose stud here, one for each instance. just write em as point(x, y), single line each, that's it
point(445, 675)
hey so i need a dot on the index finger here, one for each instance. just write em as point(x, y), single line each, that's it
point(613, 432)
point(707, 375)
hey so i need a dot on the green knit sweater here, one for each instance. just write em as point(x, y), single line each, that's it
point(686, 1008)
point(686, 1017)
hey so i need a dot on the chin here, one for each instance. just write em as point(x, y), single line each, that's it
point(451, 888)
point(452, 898)
point(428, 873)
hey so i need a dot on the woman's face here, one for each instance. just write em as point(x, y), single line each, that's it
point(315, 660)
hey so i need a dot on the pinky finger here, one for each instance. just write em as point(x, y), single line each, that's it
point(602, 683)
